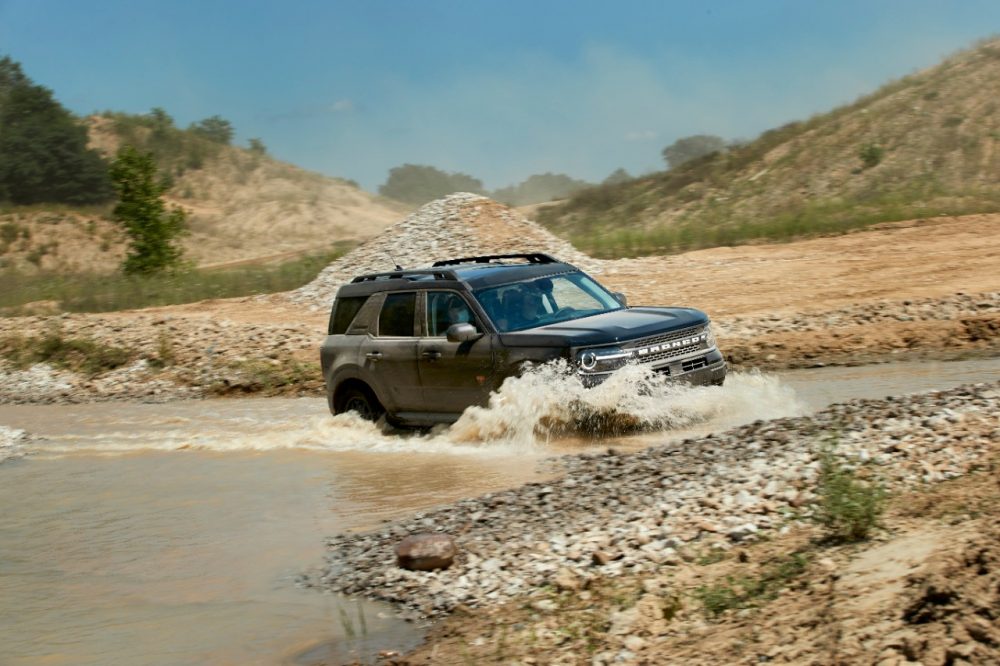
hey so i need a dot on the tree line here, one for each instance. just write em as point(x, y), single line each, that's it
point(419, 183)
point(45, 159)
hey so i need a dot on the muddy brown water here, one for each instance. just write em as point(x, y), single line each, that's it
point(173, 534)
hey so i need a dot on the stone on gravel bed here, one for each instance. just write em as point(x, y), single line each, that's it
point(12, 443)
point(613, 514)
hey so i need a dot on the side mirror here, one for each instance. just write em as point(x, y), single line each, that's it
point(462, 333)
point(620, 297)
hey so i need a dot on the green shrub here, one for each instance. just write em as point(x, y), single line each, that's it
point(848, 508)
point(9, 232)
point(77, 354)
point(752, 591)
point(871, 155)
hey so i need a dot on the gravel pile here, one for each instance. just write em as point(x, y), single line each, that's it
point(458, 225)
point(613, 514)
point(947, 308)
point(12, 443)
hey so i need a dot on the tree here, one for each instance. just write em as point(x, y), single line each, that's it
point(43, 148)
point(153, 231)
point(418, 184)
point(215, 128)
point(692, 147)
point(539, 188)
point(617, 177)
point(257, 147)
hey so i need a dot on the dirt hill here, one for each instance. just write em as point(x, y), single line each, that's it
point(924, 145)
point(242, 206)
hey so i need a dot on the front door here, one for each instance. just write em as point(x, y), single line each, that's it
point(454, 375)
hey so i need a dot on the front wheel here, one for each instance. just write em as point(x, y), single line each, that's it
point(362, 402)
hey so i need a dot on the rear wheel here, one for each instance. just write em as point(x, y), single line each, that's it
point(362, 402)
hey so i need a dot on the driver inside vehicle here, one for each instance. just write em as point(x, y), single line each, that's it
point(458, 312)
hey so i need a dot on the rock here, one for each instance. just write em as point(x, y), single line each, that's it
point(566, 580)
point(425, 552)
point(600, 557)
point(634, 643)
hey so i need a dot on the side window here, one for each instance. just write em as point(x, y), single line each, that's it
point(344, 311)
point(445, 308)
point(396, 318)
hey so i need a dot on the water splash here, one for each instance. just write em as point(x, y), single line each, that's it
point(549, 401)
point(547, 404)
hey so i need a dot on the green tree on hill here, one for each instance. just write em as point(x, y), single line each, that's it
point(418, 184)
point(688, 148)
point(215, 128)
point(539, 188)
point(153, 230)
point(43, 148)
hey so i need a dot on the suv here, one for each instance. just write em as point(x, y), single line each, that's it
point(422, 345)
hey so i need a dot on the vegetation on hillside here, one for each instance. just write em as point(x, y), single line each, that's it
point(927, 144)
point(153, 231)
point(417, 184)
point(43, 148)
point(539, 188)
point(175, 150)
point(108, 293)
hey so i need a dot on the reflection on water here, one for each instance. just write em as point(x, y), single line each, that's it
point(171, 534)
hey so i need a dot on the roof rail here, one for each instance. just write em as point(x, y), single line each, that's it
point(407, 274)
point(531, 258)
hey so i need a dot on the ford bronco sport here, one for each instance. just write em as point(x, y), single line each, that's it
point(422, 345)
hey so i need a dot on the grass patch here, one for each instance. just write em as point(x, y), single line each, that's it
point(76, 354)
point(752, 591)
point(106, 293)
point(722, 227)
point(848, 508)
point(260, 376)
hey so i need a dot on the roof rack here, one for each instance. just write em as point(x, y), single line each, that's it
point(531, 258)
point(411, 274)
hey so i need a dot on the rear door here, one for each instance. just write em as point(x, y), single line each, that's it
point(454, 375)
point(390, 355)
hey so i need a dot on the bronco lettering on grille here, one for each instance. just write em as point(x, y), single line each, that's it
point(673, 344)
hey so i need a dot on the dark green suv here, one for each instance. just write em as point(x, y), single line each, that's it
point(422, 345)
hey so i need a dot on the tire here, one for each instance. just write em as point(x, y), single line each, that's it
point(362, 402)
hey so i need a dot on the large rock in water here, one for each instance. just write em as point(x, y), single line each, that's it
point(424, 552)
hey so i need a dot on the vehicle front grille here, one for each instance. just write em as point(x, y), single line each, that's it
point(667, 338)
point(695, 363)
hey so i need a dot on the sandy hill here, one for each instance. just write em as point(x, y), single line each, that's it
point(458, 225)
point(924, 145)
point(242, 206)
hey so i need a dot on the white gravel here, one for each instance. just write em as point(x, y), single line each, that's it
point(459, 225)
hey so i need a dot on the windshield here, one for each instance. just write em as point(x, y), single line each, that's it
point(546, 300)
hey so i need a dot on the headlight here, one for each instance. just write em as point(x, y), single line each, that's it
point(709, 336)
point(605, 359)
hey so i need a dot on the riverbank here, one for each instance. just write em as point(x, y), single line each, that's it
point(923, 589)
point(623, 523)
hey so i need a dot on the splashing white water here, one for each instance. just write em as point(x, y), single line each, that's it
point(546, 403)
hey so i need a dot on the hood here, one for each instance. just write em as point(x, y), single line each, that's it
point(607, 328)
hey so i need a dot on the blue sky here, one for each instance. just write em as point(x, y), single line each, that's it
point(496, 89)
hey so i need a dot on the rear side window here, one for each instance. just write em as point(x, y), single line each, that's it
point(396, 318)
point(344, 311)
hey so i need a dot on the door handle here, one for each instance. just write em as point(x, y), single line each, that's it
point(375, 356)
point(431, 355)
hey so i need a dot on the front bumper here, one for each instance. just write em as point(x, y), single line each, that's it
point(703, 370)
